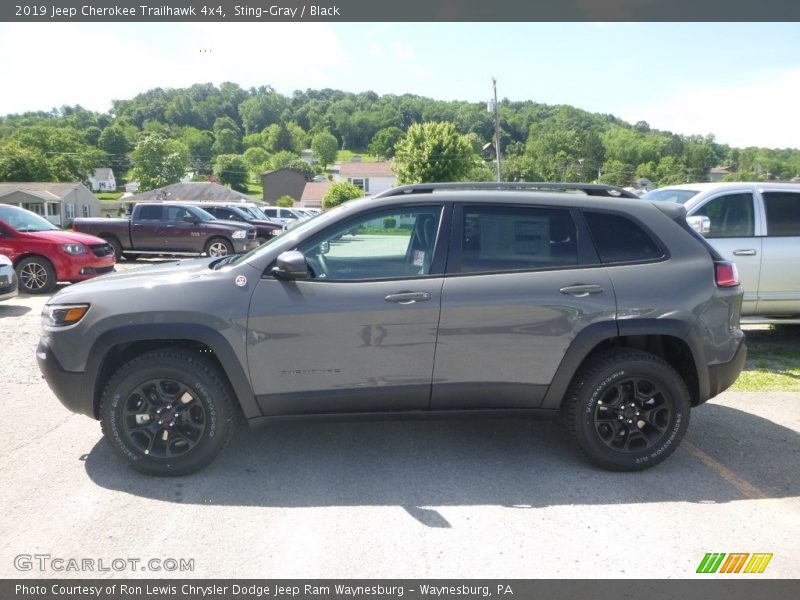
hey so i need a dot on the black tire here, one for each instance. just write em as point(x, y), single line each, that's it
point(114, 242)
point(36, 275)
point(219, 246)
point(167, 412)
point(627, 410)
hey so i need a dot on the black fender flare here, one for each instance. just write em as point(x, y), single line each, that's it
point(596, 333)
point(155, 332)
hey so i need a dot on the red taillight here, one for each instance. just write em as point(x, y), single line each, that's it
point(726, 274)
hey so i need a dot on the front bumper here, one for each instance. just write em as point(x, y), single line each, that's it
point(84, 266)
point(242, 246)
point(69, 387)
point(722, 376)
point(8, 286)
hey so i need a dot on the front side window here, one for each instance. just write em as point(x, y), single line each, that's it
point(783, 213)
point(177, 213)
point(392, 243)
point(512, 238)
point(731, 215)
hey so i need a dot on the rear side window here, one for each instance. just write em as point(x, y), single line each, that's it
point(619, 239)
point(510, 238)
point(783, 213)
point(731, 215)
point(150, 213)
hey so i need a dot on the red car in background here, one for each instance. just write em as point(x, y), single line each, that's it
point(43, 254)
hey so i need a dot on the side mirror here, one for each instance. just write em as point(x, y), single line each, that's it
point(190, 219)
point(701, 225)
point(324, 247)
point(290, 265)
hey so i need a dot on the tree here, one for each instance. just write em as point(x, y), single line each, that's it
point(117, 141)
point(286, 201)
point(159, 161)
point(384, 142)
point(340, 192)
point(434, 152)
point(227, 141)
point(20, 163)
point(232, 170)
point(324, 145)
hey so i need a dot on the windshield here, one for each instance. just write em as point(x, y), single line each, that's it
point(668, 195)
point(296, 231)
point(24, 220)
point(255, 212)
point(203, 215)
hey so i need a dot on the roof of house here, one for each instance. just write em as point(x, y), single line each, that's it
point(103, 174)
point(193, 191)
point(46, 190)
point(723, 170)
point(366, 169)
point(285, 169)
point(314, 191)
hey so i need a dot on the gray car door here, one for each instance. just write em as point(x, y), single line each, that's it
point(512, 303)
point(360, 334)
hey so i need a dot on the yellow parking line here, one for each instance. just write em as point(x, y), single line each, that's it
point(745, 488)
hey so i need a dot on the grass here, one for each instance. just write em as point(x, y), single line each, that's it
point(347, 156)
point(255, 189)
point(109, 195)
point(773, 360)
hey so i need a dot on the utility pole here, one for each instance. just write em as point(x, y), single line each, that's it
point(496, 129)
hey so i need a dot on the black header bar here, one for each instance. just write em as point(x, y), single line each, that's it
point(398, 10)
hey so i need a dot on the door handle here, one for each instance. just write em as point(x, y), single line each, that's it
point(408, 297)
point(580, 291)
point(745, 252)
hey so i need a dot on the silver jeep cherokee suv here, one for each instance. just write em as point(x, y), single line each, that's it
point(433, 298)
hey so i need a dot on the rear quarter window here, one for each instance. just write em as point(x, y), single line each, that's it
point(620, 239)
point(783, 213)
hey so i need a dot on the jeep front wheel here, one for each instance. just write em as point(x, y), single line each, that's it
point(167, 412)
point(627, 410)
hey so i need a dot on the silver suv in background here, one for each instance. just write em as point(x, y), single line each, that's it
point(757, 226)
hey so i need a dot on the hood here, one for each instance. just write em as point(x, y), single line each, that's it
point(232, 224)
point(166, 274)
point(57, 236)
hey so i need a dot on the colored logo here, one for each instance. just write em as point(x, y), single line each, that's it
point(241, 280)
point(742, 562)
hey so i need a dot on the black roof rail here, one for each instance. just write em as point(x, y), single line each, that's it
point(590, 189)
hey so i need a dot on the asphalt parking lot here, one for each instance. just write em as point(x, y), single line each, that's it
point(442, 498)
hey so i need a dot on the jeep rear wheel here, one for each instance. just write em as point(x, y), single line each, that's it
point(627, 410)
point(167, 413)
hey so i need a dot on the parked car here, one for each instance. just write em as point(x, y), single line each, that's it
point(429, 299)
point(8, 278)
point(43, 254)
point(265, 229)
point(281, 214)
point(172, 229)
point(756, 225)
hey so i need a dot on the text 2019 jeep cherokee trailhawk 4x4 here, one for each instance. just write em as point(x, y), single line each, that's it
point(427, 298)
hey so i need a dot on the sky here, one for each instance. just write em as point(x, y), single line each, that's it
point(737, 81)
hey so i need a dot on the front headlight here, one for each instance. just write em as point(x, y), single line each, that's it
point(62, 315)
point(74, 248)
point(240, 234)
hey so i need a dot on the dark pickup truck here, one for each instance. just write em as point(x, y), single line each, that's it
point(171, 229)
